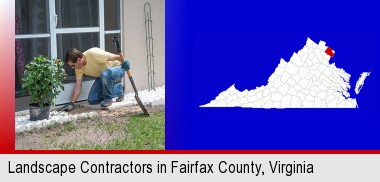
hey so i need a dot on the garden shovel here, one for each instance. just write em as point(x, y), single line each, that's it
point(116, 43)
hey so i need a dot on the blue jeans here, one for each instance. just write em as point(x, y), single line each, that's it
point(104, 87)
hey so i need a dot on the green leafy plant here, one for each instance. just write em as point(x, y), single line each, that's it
point(43, 78)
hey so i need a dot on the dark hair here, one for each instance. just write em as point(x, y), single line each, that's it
point(72, 55)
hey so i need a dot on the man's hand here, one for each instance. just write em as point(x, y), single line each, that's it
point(67, 107)
point(126, 65)
point(113, 57)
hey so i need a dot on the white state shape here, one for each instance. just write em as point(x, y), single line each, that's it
point(259, 94)
point(305, 57)
point(341, 102)
point(308, 104)
point(220, 100)
point(259, 104)
point(286, 101)
point(360, 83)
point(328, 71)
point(221, 103)
point(276, 97)
point(242, 94)
point(310, 43)
point(243, 101)
point(308, 80)
point(296, 102)
point(282, 63)
point(249, 105)
point(232, 90)
point(302, 52)
point(301, 96)
point(231, 99)
point(283, 89)
point(303, 83)
point(320, 57)
point(311, 55)
point(351, 103)
point(322, 45)
point(273, 77)
point(292, 91)
point(317, 102)
point(333, 103)
point(278, 71)
point(305, 91)
point(315, 62)
point(224, 94)
point(285, 76)
point(266, 92)
point(291, 82)
point(291, 68)
point(315, 66)
point(234, 103)
point(298, 88)
point(251, 98)
point(322, 94)
point(295, 59)
point(309, 63)
point(303, 72)
point(316, 73)
point(276, 104)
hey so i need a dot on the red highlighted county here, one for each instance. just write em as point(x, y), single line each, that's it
point(329, 51)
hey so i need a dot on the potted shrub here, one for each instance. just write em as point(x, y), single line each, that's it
point(43, 78)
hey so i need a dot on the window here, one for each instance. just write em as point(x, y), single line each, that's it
point(77, 13)
point(51, 27)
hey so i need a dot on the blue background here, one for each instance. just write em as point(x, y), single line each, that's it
point(211, 45)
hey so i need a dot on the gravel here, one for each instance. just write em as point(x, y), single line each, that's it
point(153, 97)
point(23, 123)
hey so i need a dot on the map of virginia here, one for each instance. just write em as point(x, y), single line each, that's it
point(308, 80)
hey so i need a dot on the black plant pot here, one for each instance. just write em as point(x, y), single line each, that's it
point(37, 113)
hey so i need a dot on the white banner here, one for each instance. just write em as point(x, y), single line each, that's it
point(190, 167)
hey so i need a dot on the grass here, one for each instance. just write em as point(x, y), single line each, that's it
point(143, 133)
point(140, 133)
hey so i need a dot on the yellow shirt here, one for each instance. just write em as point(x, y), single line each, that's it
point(96, 63)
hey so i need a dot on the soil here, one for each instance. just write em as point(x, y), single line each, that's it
point(109, 125)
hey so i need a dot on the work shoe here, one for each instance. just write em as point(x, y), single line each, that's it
point(106, 103)
point(121, 96)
